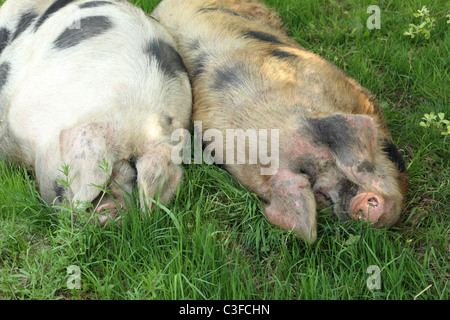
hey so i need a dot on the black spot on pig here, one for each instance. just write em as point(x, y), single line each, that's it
point(88, 143)
point(200, 60)
point(169, 60)
point(394, 155)
point(25, 21)
point(166, 123)
point(94, 4)
point(58, 4)
point(282, 54)
point(366, 166)
point(90, 27)
point(81, 156)
point(59, 190)
point(5, 69)
point(334, 132)
point(224, 10)
point(228, 76)
point(168, 120)
point(208, 10)
point(199, 64)
point(4, 38)
point(262, 36)
point(194, 45)
point(347, 190)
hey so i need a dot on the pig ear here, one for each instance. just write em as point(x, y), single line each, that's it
point(351, 138)
point(292, 205)
point(352, 141)
point(394, 155)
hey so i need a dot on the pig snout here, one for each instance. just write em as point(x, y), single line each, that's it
point(369, 206)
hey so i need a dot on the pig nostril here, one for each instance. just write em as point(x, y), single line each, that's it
point(373, 202)
point(359, 214)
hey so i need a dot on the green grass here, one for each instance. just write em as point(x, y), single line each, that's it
point(212, 242)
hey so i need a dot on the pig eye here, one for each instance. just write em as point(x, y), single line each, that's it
point(299, 168)
point(394, 155)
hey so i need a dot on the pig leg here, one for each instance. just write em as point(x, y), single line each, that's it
point(157, 175)
point(292, 204)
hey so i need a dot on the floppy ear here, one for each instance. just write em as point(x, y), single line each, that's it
point(394, 154)
point(292, 205)
point(352, 139)
point(157, 175)
point(396, 157)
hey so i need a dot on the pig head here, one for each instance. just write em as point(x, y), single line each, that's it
point(349, 165)
point(96, 87)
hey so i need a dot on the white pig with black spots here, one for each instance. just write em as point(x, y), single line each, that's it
point(89, 82)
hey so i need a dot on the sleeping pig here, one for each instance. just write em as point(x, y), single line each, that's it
point(91, 84)
point(334, 147)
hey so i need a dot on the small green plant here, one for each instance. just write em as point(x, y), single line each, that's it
point(66, 182)
point(106, 170)
point(426, 23)
point(431, 120)
point(79, 208)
